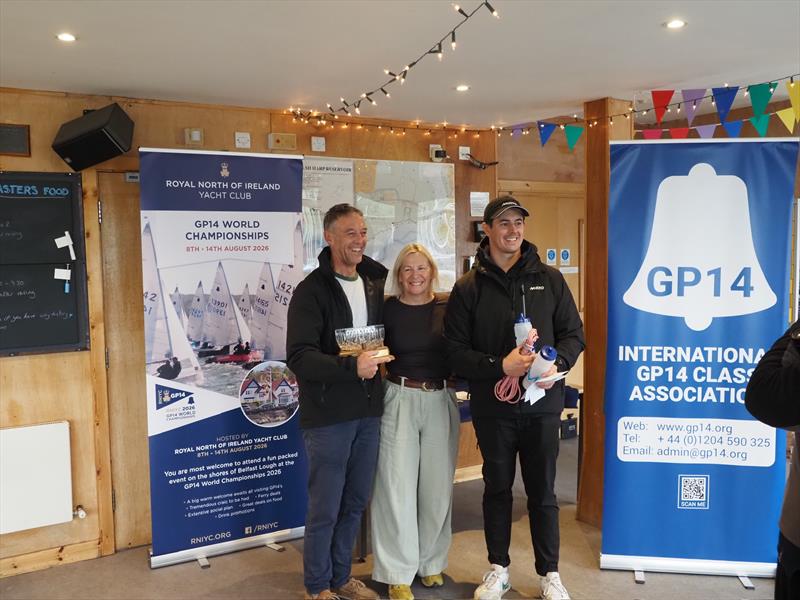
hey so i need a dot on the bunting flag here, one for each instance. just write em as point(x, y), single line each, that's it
point(733, 128)
point(724, 98)
point(706, 131)
point(761, 123)
point(652, 134)
point(573, 134)
point(545, 131)
point(660, 100)
point(679, 133)
point(691, 100)
point(794, 97)
point(759, 96)
point(787, 117)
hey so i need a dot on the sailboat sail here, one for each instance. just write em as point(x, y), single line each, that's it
point(165, 338)
point(290, 276)
point(245, 305)
point(223, 322)
point(264, 297)
point(177, 302)
point(194, 320)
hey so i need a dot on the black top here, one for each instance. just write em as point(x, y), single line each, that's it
point(479, 327)
point(773, 393)
point(330, 389)
point(414, 336)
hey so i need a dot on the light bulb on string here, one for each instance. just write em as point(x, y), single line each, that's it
point(679, 108)
point(491, 9)
point(385, 93)
point(453, 39)
point(458, 9)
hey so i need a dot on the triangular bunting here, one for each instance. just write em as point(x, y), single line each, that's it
point(679, 133)
point(733, 128)
point(545, 131)
point(691, 101)
point(761, 123)
point(660, 100)
point(652, 134)
point(759, 97)
point(706, 131)
point(724, 98)
point(573, 134)
point(787, 117)
point(793, 88)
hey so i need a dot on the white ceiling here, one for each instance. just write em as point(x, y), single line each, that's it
point(539, 60)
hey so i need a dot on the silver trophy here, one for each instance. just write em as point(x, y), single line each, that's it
point(355, 340)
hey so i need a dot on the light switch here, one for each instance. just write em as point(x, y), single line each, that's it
point(463, 153)
point(317, 144)
point(242, 139)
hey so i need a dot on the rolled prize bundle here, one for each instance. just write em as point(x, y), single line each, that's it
point(545, 359)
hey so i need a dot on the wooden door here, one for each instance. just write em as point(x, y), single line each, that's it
point(124, 324)
point(556, 222)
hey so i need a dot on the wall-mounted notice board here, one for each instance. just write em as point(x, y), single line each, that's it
point(43, 302)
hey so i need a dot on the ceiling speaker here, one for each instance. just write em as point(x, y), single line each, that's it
point(95, 137)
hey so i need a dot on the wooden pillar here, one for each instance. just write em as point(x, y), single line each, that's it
point(590, 485)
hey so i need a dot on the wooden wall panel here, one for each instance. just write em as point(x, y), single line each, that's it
point(590, 485)
point(75, 386)
point(523, 157)
point(122, 276)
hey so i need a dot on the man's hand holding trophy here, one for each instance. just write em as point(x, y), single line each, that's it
point(367, 344)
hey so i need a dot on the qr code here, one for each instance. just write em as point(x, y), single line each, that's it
point(693, 491)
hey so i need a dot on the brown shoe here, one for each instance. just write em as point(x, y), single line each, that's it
point(323, 595)
point(356, 590)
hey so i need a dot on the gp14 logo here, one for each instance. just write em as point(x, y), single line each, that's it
point(166, 396)
point(701, 262)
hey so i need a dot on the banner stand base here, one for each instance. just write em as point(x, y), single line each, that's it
point(203, 562)
point(692, 566)
point(638, 577)
point(203, 553)
point(274, 546)
point(746, 583)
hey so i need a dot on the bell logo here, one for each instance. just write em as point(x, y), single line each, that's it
point(701, 262)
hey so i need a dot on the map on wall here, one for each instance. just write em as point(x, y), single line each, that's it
point(402, 202)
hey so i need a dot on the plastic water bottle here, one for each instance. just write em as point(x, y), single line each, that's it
point(545, 359)
point(521, 328)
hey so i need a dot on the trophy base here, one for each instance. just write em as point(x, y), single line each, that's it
point(378, 352)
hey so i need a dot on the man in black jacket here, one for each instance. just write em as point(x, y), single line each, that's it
point(508, 279)
point(341, 400)
point(773, 397)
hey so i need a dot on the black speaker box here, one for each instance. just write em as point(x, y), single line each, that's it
point(95, 137)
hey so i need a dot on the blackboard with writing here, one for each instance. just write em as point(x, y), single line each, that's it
point(43, 300)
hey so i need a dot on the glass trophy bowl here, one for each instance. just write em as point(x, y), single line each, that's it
point(355, 340)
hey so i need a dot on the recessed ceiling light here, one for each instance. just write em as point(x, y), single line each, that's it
point(66, 37)
point(675, 24)
point(462, 87)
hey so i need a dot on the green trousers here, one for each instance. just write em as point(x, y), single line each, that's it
point(413, 496)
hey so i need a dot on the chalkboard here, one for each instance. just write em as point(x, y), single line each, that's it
point(43, 300)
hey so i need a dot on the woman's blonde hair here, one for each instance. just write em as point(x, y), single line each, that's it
point(398, 265)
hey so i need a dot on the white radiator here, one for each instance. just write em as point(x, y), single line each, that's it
point(35, 476)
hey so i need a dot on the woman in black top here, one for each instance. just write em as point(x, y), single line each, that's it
point(412, 500)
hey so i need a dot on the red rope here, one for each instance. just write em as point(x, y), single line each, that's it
point(507, 389)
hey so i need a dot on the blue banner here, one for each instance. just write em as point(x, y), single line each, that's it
point(221, 254)
point(699, 259)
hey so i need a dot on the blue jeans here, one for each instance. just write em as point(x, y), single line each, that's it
point(341, 470)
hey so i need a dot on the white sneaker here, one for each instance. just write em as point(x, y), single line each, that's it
point(552, 588)
point(495, 584)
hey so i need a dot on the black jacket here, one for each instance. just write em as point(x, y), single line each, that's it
point(330, 388)
point(479, 327)
point(773, 392)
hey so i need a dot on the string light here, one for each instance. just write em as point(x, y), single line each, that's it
point(495, 14)
point(453, 39)
point(460, 10)
point(385, 93)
